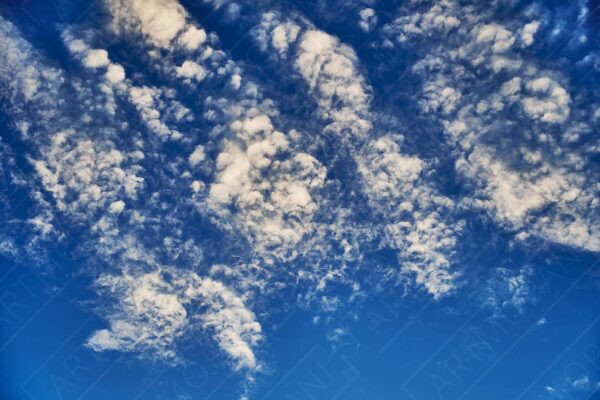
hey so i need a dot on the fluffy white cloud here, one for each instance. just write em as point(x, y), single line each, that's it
point(159, 20)
point(117, 207)
point(115, 73)
point(411, 213)
point(84, 175)
point(236, 330)
point(390, 179)
point(440, 96)
point(154, 310)
point(368, 19)
point(155, 105)
point(271, 195)
point(96, 58)
point(497, 36)
point(329, 69)
point(528, 32)
point(550, 101)
point(526, 180)
point(283, 35)
point(192, 38)
point(441, 18)
point(277, 34)
point(191, 70)
point(90, 172)
point(236, 81)
point(197, 156)
point(22, 72)
point(148, 101)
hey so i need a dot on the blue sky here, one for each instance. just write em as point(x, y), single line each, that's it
point(365, 199)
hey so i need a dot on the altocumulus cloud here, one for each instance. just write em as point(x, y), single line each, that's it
point(198, 195)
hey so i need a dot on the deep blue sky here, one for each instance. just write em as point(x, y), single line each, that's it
point(299, 200)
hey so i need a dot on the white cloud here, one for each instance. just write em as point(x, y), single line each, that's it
point(84, 175)
point(331, 72)
point(236, 81)
point(273, 32)
point(550, 101)
point(368, 19)
point(571, 226)
point(43, 224)
point(533, 187)
point(440, 97)
point(191, 70)
point(337, 335)
point(388, 177)
point(197, 156)
point(269, 203)
point(329, 69)
point(236, 330)
point(23, 73)
point(582, 383)
point(147, 100)
point(283, 35)
point(154, 310)
point(115, 73)
point(410, 210)
point(159, 20)
point(90, 171)
point(96, 58)
point(518, 196)
point(249, 127)
point(513, 195)
point(500, 38)
point(116, 207)
point(192, 38)
point(512, 88)
point(441, 18)
point(509, 290)
point(267, 187)
point(390, 174)
point(528, 32)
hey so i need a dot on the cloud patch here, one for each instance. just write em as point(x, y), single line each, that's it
point(155, 310)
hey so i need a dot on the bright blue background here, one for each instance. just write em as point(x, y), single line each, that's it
point(401, 347)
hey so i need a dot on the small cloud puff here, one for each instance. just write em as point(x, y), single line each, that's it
point(115, 73)
point(116, 207)
point(197, 156)
point(368, 19)
point(191, 70)
point(96, 58)
point(192, 38)
point(582, 383)
point(528, 32)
